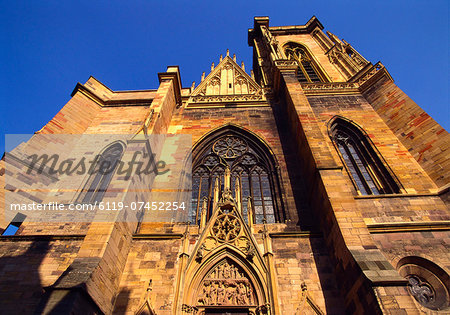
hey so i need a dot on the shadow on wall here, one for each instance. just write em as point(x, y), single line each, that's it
point(334, 302)
point(20, 282)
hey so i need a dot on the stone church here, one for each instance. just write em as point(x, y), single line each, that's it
point(317, 186)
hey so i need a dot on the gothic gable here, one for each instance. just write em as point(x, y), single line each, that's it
point(227, 82)
point(226, 267)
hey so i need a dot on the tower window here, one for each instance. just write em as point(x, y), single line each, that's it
point(100, 178)
point(308, 71)
point(365, 167)
point(249, 169)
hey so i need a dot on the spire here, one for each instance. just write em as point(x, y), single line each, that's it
point(203, 76)
point(193, 86)
point(221, 57)
point(242, 66)
point(234, 57)
point(212, 66)
point(228, 52)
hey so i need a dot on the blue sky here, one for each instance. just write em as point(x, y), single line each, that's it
point(46, 47)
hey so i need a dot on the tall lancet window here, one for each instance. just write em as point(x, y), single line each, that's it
point(308, 71)
point(253, 177)
point(368, 172)
point(101, 175)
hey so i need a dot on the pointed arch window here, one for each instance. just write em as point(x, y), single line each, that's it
point(99, 179)
point(308, 71)
point(368, 172)
point(254, 171)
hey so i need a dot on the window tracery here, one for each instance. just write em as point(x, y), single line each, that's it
point(308, 71)
point(427, 282)
point(248, 169)
point(368, 173)
point(101, 176)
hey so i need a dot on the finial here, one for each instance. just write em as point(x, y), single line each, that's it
point(234, 57)
point(221, 57)
point(193, 85)
point(228, 52)
point(203, 76)
point(242, 66)
point(252, 74)
point(212, 66)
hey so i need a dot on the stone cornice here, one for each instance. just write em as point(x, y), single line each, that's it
point(37, 237)
point(359, 83)
point(259, 21)
point(330, 88)
point(86, 91)
point(173, 73)
point(399, 227)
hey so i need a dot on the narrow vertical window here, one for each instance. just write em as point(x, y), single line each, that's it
point(308, 71)
point(365, 167)
point(105, 167)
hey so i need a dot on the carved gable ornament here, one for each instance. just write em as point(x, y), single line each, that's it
point(228, 83)
point(226, 268)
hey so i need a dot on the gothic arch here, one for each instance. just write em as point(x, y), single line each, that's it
point(368, 171)
point(96, 183)
point(309, 70)
point(259, 180)
point(244, 283)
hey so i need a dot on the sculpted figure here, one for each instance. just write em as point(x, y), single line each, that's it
point(226, 271)
point(213, 298)
point(220, 271)
point(241, 295)
point(221, 294)
point(230, 294)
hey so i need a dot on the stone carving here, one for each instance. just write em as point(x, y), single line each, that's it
point(329, 86)
point(421, 290)
point(263, 309)
point(226, 284)
point(226, 228)
point(227, 98)
point(281, 63)
point(199, 255)
point(219, 87)
point(271, 43)
point(250, 251)
point(230, 147)
point(374, 70)
point(189, 309)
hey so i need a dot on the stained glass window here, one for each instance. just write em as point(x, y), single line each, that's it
point(308, 71)
point(100, 178)
point(245, 163)
point(366, 169)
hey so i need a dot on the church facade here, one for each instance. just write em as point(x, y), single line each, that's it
point(317, 187)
